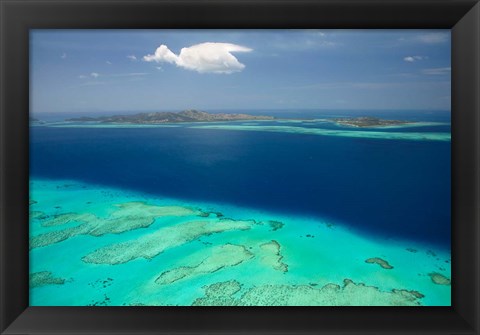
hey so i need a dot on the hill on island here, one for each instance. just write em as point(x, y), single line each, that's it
point(190, 115)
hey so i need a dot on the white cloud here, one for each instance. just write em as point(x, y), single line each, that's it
point(163, 54)
point(159, 68)
point(437, 71)
point(433, 38)
point(108, 62)
point(412, 59)
point(82, 76)
point(94, 75)
point(63, 56)
point(132, 57)
point(206, 57)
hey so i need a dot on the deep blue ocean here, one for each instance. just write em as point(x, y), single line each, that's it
point(388, 188)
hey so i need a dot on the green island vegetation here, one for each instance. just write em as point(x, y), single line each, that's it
point(190, 115)
point(368, 121)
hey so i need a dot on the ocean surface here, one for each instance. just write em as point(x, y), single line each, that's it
point(290, 208)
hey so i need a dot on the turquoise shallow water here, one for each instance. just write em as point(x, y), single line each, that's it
point(321, 127)
point(311, 252)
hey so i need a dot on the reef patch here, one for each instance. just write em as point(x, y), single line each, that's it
point(275, 225)
point(153, 244)
point(219, 257)
point(128, 216)
point(61, 219)
point(270, 256)
point(376, 260)
point(37, 215)
point(349, 294)
point(44, 278)
point(439, 279)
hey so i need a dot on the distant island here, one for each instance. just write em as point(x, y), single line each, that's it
point(193, 115)
point(368, 121)
point(34, 121)
point(190, 115)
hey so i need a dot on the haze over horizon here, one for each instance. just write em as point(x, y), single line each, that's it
point(120, 71)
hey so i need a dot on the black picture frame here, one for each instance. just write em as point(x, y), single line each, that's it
point(18, 16)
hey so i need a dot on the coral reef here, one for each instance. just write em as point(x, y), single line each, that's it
point(420, 136)
point(219, 257)
point(220, 294)
point(43, 278)
point(153, 244)
point(275, 225)
point(270, 256)
point(61, 219)
point(349, 294)
point(383, 263)
point(37, 215)
point(439, 279)
point(128, 216)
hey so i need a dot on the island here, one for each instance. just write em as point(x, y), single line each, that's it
point(368, 121)
point(190, 115)
point(34, 121)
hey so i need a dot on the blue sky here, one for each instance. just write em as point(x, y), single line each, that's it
point(157, 70)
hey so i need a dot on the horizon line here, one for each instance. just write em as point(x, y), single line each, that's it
point(246, 109)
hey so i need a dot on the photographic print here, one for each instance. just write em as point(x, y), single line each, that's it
point(240, 167)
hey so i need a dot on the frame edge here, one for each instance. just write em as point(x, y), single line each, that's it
point(466, 149)
point(468, 315)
